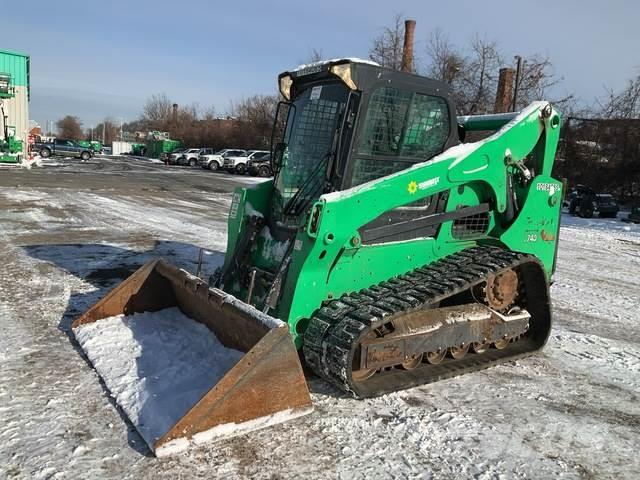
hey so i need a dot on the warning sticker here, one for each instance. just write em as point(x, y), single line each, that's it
point(233, 212)
point(315, 92)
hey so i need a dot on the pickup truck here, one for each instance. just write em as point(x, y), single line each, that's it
point(186, 156)
point(259, 164)
point(62, 147)
point(238, 164)
point(191, 156)
point(215, 161)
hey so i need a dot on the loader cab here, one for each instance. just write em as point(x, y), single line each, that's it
point(348, 122)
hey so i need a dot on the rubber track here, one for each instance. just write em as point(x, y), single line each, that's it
point(335, 330)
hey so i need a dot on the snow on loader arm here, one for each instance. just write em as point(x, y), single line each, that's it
point(264, 387)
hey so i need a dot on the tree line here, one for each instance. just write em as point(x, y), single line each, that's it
point(602, 148)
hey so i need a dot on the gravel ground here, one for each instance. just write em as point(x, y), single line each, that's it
point(70, 231)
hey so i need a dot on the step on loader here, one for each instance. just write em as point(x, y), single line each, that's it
point(392, 252)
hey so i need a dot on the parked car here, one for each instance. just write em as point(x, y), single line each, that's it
point(634, 216)
point(259, 164)
point(584, 201)
point(215, 161)
point(239, 164)
point(62, 147)
point(606, 205)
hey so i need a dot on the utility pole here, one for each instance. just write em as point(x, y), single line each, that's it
point(519, 66)
point(103, 136)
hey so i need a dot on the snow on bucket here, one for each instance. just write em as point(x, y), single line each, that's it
point(189, 364)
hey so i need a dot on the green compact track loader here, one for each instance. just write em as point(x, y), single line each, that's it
point(394, 252)
point(11, 147)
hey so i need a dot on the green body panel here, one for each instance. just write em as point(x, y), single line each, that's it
point(329, 260)
point(475, 123)
point(136, 148)
point(10, 148)
point(93, 145)
point(155, 148)
point(17, 65)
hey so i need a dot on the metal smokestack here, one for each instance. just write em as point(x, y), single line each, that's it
point(407, 49)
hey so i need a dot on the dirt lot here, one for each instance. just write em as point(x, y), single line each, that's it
point(70, 231)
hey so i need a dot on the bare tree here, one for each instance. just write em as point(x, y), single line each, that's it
point(601, 147)
point(473, 76)
point(254, 120)
point(386, 48)
point(473, 73)
point(623, 104)
point(480, 77)
point(107, 129)
point(537, 80)
point(70, 127)
point(158, 110)
point(315, 55)
point(445, 61)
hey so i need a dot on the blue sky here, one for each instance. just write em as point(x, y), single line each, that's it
point(97, 59)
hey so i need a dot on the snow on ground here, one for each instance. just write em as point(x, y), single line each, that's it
point(156, 365)
point(571, 411)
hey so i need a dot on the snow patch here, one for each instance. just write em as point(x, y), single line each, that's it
point(333, 60)
point(252, 212)
point(228, 430)
point(272, 249)
point(265, 319)
point(157, 365)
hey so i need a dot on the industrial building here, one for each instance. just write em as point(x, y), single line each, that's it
point(15, 93)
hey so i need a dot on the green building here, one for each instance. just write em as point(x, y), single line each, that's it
point(14, 92)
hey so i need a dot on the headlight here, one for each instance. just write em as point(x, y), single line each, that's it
point(343, 71)
point(285, 86)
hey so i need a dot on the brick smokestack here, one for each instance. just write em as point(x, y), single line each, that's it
point(175, 113)
point(407, 49)
point(504, 94)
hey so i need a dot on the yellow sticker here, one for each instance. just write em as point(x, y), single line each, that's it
point(412, 187)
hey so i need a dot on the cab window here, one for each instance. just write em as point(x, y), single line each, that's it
point(401, 128)
point(405, 124)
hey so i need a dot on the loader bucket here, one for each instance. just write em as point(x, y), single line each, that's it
point(264, 387)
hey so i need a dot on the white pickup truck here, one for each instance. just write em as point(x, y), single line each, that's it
point(190, 157)
point(239, 164)
point(178, 157)
point(215, 161)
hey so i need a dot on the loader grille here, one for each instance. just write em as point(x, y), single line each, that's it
point(470, 226)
